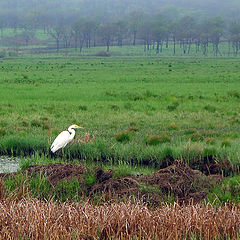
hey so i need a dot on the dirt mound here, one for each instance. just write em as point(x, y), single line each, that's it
point(180, 180)
point(116, 187)
point(177, 180)
point(58, 172)
point(209, 165)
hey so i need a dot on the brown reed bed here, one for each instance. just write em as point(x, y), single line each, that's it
point(35, 219)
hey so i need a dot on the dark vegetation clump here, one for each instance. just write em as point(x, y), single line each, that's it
point(36, 123)
point(172, 107)
point(2, 132)
point(122, 136)
point(210, 108)
point(82, 108)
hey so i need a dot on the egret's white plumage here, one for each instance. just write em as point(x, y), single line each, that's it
point(64, 138)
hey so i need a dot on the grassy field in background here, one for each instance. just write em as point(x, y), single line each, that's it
point(140, 110)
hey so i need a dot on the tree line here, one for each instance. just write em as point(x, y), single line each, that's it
point(153, 32)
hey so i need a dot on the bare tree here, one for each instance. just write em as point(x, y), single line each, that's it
point(57, 34)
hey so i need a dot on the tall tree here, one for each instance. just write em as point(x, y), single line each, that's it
point(107, 33)
point(186, 32)
point(234, 31)
point(120, 31)
point(135, 22)
point(216, 30)
point(146, 33)
point(57, 33)
point(78, 35)
point(159, 31)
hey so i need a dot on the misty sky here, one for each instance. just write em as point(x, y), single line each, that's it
point(229, 9)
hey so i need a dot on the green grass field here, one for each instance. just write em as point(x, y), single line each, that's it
point(140, 109)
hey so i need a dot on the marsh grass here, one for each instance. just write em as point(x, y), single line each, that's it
point(117, 94)
point(90, 178)
point(227, 191)
point(69, 190)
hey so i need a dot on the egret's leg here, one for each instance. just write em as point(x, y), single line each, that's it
point(63, 152)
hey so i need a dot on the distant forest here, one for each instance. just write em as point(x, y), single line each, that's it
point(156, 23)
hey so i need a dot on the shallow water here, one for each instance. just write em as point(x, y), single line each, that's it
point(9, 164)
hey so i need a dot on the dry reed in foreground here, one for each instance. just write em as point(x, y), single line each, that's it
point(48, 220)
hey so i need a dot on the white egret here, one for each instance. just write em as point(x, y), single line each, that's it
point(64, 138)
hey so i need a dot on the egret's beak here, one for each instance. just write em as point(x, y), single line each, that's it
point(79, 127)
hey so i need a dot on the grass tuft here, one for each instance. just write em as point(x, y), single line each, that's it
point(157, 139)
point(122, 136)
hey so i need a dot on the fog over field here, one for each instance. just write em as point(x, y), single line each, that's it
point(116, 8)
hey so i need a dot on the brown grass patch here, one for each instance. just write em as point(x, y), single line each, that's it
point(48, 220)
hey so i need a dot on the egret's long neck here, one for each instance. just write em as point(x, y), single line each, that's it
point(72, 133)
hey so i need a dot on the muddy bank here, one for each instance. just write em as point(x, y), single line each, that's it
point(177, 181)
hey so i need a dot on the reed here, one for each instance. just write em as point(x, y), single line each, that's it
point(34, 219)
